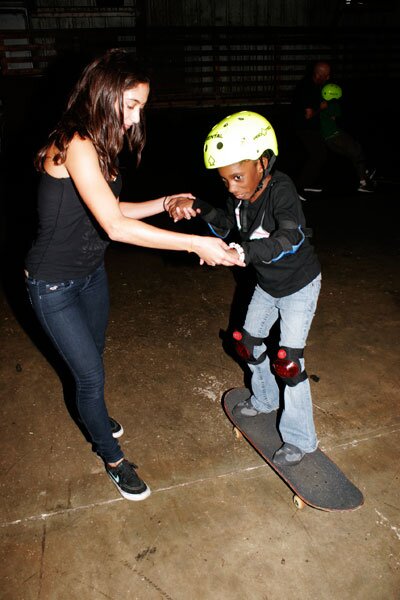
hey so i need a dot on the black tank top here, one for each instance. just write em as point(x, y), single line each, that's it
point(70, 243)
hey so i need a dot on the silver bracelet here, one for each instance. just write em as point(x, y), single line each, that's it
point(238, 249)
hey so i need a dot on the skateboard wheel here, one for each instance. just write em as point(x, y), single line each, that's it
point(238, 434)
point(298, 502)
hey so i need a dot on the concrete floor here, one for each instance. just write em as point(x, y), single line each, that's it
point(219, 524)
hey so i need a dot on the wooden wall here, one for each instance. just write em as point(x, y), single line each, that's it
point(210, 52)
point(273, 13)
point(219, 65)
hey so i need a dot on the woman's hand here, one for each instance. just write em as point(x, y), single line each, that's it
point(184, 195)
point(179, 208)
point(214, 251)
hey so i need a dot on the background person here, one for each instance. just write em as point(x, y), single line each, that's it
point(264, 209)
point(306, 107)
point(339, 141)
point(79, 213)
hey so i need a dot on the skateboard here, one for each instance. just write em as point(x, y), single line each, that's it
point(315, 481)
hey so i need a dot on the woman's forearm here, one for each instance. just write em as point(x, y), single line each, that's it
point(141, 210)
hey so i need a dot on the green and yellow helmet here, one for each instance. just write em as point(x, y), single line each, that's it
point(331, 91)
point(244, 135)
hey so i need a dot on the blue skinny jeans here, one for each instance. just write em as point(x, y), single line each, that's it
point(74, 314)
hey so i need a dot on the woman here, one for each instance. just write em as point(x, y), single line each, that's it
point(79, 212)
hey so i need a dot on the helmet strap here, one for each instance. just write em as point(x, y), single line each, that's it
point(265, 174)
point(245, 203)
point(243, 215)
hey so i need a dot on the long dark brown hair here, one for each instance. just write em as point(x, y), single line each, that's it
point(91, 112)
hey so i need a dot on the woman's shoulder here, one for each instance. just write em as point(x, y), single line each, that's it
point(78, 150)
point(82, 150)
point(80, 141)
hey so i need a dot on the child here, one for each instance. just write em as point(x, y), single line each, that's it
point(263, 207)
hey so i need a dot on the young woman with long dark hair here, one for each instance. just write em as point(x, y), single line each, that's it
point(79, 212)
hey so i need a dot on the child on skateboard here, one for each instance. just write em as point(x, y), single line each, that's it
point(264, 210)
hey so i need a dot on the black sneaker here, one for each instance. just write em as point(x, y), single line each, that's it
point(315, 189)
point(116, 428)
point(127, 481)
point(288, 455)
point(366, 187)
point(371, 174)
point(244, 408)
point(309, 193)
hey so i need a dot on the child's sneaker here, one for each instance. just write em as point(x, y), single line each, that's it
point(288, 455)
point(127, 481)
point(244, 408)
point(116, 428)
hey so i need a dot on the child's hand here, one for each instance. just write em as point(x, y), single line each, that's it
point(181, 208)
point(214, 251)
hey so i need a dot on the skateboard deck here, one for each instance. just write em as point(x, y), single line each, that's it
point(315, 481)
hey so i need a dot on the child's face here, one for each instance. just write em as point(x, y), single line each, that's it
point(241, 179)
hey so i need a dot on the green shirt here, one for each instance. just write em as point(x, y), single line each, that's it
point(328, 119)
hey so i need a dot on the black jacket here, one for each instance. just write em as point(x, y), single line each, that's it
point(273, 235)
